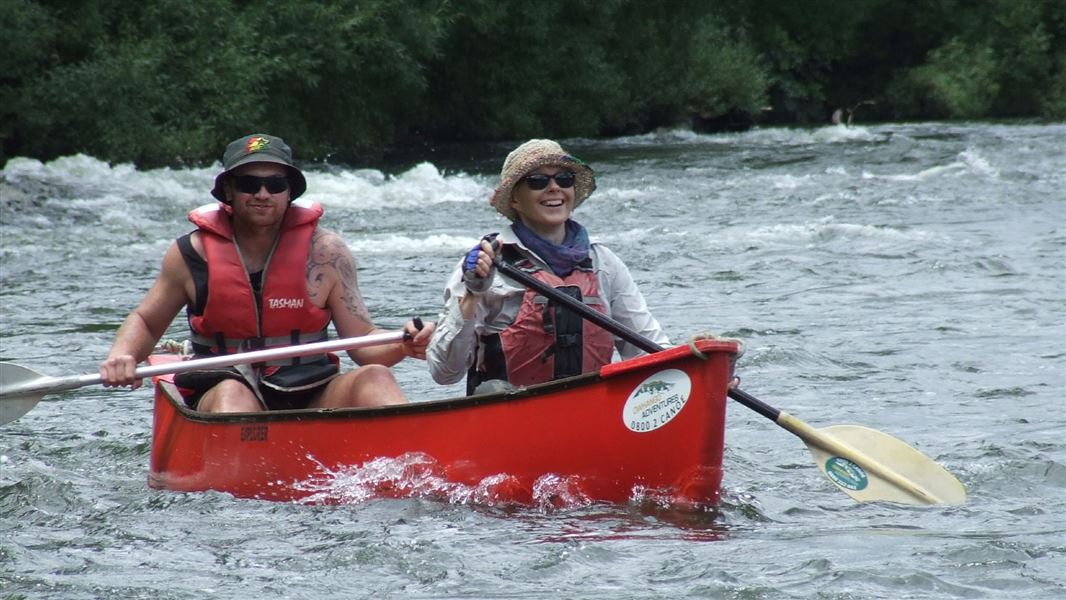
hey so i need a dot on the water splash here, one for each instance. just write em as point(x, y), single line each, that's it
point(418, 475)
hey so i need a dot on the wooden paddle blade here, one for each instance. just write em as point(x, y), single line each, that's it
point(14, 405)
point(870, 465)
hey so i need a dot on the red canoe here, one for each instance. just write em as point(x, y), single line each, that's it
point(652, 425)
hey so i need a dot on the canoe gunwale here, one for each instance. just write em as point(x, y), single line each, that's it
point(446, 404)
point(420, 407)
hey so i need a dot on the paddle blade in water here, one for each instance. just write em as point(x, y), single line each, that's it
point(14, 404)
point(870, 465)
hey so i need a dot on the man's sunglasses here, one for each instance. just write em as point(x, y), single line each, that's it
point(539, 181)
point(250, 184)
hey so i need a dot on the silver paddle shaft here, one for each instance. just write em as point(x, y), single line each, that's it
point(56, 384)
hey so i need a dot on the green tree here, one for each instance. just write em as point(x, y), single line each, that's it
point(957, 81)
point(165, 82)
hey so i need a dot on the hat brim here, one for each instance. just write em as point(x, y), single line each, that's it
point(297, 183)
point(584, 183)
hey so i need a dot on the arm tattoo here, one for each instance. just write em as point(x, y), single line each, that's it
point(330, 262)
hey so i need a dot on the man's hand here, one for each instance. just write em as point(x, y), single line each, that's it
point(118, 371)
point(417, 338)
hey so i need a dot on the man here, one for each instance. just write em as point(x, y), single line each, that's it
point(258, 272)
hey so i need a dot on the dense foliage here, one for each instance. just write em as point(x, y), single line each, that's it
point(166, 82)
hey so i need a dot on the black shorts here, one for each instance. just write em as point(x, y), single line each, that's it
point(194, 384)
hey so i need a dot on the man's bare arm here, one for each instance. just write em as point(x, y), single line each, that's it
point(141, 330)
point(331, 270)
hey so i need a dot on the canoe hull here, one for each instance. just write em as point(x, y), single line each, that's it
point(654, 423)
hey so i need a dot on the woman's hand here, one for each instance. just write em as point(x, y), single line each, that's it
point(478, 269)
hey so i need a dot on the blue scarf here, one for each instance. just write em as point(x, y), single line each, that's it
point(561, 258)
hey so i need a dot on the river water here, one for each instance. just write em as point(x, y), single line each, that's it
point(906, 277)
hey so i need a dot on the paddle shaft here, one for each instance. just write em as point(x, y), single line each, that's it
point(619, 329)
point(57, 384)
point(812, 437)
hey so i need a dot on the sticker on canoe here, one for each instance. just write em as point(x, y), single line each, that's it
point(846, 474)
point(657, 400)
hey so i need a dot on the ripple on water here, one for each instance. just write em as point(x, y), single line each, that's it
point(39, 499)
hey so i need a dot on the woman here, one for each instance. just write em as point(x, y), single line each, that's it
point(494, 329)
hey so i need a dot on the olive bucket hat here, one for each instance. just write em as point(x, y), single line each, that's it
point(531, 156)
point(259, 147)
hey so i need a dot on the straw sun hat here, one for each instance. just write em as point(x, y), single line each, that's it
point(531, 156)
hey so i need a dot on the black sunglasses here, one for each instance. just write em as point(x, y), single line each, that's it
point(250, 184)
point(539, 181)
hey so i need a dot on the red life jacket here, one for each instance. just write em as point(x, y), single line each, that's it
point(233, 319)
point(546, 342)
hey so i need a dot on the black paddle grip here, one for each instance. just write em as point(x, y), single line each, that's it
point(418, 325)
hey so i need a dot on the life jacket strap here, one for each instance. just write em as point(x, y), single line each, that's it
point(217, 345)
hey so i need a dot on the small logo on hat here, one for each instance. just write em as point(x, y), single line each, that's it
point(256, 144)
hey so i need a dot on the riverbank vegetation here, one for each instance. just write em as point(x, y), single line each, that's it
point(162, 82)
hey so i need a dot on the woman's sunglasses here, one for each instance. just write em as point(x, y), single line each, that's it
point(250, 184)
point(539, 181)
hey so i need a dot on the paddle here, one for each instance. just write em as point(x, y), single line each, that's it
point(21, 387)
point(866, 464)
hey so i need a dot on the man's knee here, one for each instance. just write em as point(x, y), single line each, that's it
point(376, 373)
point(367, 386)
point(230, 395)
